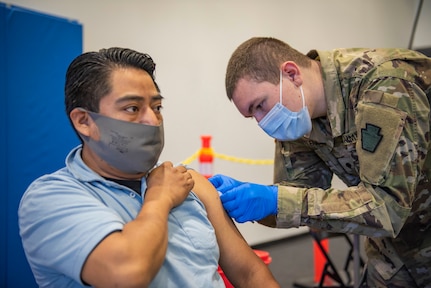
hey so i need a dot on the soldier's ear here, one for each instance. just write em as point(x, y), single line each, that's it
point(292, 72)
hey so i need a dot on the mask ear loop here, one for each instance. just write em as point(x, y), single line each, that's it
point(302, 94)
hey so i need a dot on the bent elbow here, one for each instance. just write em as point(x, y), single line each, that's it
point(132, 275)
point(385, 221)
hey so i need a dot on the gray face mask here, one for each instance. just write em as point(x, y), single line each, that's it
point(129, 147)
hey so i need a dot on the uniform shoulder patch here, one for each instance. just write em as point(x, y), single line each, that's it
point(371, 137)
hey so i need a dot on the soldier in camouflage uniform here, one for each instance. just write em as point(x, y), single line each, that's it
point(370, 111)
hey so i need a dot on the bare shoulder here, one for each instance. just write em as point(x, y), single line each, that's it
point(202, 185)
point(204, 189)
point(223, 225)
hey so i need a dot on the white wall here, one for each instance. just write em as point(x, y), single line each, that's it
point(192, 40)
point(422, 36)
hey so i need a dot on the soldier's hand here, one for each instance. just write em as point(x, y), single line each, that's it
point(245, 201)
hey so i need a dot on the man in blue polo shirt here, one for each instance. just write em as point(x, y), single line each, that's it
point(114, 216)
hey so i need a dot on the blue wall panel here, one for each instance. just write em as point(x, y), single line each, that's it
point(37, 134)
point(3, 193)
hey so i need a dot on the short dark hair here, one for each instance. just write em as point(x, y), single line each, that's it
point(88, 76)
point(259, 59)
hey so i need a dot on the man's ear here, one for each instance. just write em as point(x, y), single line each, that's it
point(292, 71)
point(81, 121)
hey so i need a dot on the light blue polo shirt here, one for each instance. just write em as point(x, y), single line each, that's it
point(64, 215)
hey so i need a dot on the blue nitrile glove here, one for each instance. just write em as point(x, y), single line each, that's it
point(245, 201)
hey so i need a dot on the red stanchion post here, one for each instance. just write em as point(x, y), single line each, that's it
point(206, 157)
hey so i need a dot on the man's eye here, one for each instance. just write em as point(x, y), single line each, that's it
point(158, 108)
point(132, 109)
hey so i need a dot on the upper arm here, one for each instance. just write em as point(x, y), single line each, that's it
point(237, 259)
point(392, 138)
point(216, 213)
point(59, 237)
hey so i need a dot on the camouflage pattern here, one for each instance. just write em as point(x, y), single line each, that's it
point(376, 139)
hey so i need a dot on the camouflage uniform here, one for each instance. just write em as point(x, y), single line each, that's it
point(376, 139)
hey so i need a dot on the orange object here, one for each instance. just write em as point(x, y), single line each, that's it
point(206, 157)
point(319, 259)
point(264, 255)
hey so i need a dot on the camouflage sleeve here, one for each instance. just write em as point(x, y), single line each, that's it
point(296, 166)
point(299, 166)
point(393, 127)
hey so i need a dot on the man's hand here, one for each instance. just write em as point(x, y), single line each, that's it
point(173, 183)
point(245, 201)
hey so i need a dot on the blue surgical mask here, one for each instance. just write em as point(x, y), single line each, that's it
point(284, 125)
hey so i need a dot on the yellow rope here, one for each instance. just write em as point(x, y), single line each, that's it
point(244, 160)
point(191, 158)
point(231, 158)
